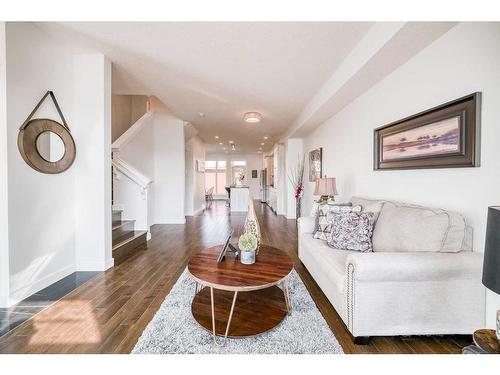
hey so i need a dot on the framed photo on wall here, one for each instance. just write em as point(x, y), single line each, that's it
point(315, 164)
point(200, 166)
point(447, 136)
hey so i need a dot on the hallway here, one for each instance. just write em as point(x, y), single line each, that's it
point(109, 312)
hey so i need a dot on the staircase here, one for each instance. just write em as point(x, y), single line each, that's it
point(126, 240)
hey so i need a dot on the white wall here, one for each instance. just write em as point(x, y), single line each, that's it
point(4, 200)
point(93, 164)
point(156, 150)
point(42, 209)
point(464, 60)
point(254, 161)
point(195, 181)
point(139, 152)
point(169, 169)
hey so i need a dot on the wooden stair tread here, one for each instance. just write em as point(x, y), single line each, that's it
point(136, 235)
point(122, 223)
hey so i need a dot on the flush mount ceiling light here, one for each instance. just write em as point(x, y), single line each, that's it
point(216, 137)
point(252, 117)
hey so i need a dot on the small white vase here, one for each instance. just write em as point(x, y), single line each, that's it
point(247, 257)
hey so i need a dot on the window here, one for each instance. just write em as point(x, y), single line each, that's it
point(215, 176)
point(210, 164)
point(238, 163)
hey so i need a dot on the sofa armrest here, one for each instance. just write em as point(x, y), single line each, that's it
point(306, 224)
point(414, 266)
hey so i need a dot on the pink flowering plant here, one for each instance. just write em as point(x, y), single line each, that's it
point(296, 178)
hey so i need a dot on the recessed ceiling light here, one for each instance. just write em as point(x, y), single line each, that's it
point(221, 143)
point(201, 114)
point(266, 137)
point(252, 117)
point(262, 144)
point(259, 152)
point(224, 149)
point(231, 142)
point(216, 137)
point(260, 148)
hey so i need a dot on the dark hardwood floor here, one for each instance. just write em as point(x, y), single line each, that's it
point(108, 313)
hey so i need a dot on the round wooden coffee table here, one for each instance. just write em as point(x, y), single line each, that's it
point(237, 300)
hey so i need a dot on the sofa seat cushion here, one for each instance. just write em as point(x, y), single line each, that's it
point(329, 259)
point(408, 228)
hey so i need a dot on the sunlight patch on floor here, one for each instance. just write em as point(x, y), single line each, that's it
point(76, 324)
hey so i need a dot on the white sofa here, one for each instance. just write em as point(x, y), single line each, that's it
point(422, 277)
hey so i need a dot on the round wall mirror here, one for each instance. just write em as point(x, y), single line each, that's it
point(46, 145)
point(50, 146)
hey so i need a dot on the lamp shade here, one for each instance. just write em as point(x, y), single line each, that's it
point(491, 262)
point(326, 186)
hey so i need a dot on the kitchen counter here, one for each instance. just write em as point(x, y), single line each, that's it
point(239, 198)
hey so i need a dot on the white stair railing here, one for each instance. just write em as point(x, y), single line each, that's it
point(122, 167)
point(131, 190)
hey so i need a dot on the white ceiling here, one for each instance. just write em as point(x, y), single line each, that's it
point(222, 69)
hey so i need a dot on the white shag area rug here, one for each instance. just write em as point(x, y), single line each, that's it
point(173, 329)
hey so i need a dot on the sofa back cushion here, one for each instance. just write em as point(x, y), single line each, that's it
point(402, 227)
point(368, 205)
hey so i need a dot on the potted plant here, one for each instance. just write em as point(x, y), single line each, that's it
point(248, 246)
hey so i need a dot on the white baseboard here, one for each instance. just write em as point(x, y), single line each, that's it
point(95, 265)
point(199, 210)
point(27, 290)
point(180, 220)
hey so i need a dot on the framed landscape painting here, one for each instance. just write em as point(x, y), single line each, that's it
point(315, 164)
point(446, 136)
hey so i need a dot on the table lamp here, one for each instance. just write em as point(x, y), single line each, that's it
point(326, 187)
point(491, 262)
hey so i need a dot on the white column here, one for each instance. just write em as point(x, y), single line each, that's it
point(4, 202)
point(169, 169)
point(92, 132)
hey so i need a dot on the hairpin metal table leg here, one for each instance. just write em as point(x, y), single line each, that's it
point(287, 297)
point(223, 342)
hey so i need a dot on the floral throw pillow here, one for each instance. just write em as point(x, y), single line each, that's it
point(323, 227)
point(351, 231)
